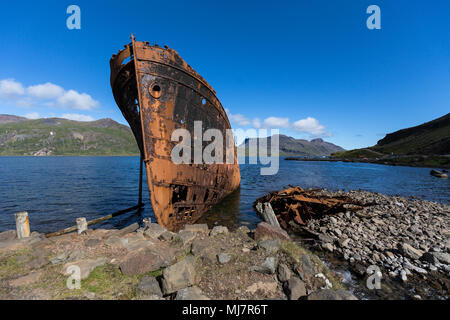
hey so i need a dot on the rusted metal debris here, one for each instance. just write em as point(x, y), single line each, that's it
point(158, 92)
point(300, 206)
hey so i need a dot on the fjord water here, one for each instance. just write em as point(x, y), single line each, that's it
point(57, 190)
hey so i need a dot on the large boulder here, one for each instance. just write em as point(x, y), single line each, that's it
point(146, 260)
point(295, 288)
point(149, 286)
point(179, 276)
point(265, 231)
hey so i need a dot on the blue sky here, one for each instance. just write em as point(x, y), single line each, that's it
point(311, 68)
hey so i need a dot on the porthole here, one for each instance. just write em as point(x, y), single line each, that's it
point(155, 90)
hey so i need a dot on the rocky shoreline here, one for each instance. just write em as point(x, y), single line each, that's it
point(408, 239)
point(149, 262)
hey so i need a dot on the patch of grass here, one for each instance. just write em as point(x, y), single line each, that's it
point(107, 282)
point(295, 252)
point(9, 264)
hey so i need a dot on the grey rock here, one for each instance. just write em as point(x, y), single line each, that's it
point(186, 237)
point(328, 246)
point(149, 286)
point(295, 288)
point(154, 230)
point(223, 258)
point(268, 266)
point(199, 246)
point(283, 272)
point(166, 236)
point(131, 228)
point(409, 251)
point(442, 257)
point(202, 228)
point(179, 276)
point(218, 230)
point(271, 246)
point(325, 238)
point(92, 242)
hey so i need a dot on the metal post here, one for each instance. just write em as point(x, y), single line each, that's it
point(140, 180)
point(22, 225)
point(82, 225)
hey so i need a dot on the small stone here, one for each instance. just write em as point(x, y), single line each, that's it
point(283, 272)
point(325, 238)
point(295, 288)
point(267, 267)
point(166, 236)
point(344, 242)
point(265, 231)
point(186, 237)
point(409, 251)
point(218, 230)
point(243, 229)
point(149, 286)
point(328, 246)
point(442, 257)
point(131, 228)
point(191, 293)
point(271, 246)
point(223, 258)
point(403, 276)
point(154, 230)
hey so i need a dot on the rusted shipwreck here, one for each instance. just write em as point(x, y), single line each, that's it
point(158, 92)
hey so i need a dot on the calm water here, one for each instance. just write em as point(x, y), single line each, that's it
point(57, 190)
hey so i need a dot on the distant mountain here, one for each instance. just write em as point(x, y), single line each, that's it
point(6, 118)
point(290, 146)
point(427, 144)
point(55, 136)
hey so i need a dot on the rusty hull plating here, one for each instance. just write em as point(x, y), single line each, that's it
point(158, 92)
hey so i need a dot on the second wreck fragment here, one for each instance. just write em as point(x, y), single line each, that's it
point(299, 205)
point(158, 92)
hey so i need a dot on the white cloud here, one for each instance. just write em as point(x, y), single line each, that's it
point(74, 100)
point(45, 91)
point(275, 122)
point(32, 115)
point(53, 96)
point(10, 88)
point(256, 123)
point(238, 118)
point(309, 125)
point(77, 117)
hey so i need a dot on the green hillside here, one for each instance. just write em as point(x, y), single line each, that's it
point(55, 136)
point(427, 144)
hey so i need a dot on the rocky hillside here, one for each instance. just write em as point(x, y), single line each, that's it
point(430, 138)
point(290, 146)
point(54, 136)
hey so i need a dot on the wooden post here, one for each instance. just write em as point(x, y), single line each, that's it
point(22, 225)
point(81, 225)
point(140, 180)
